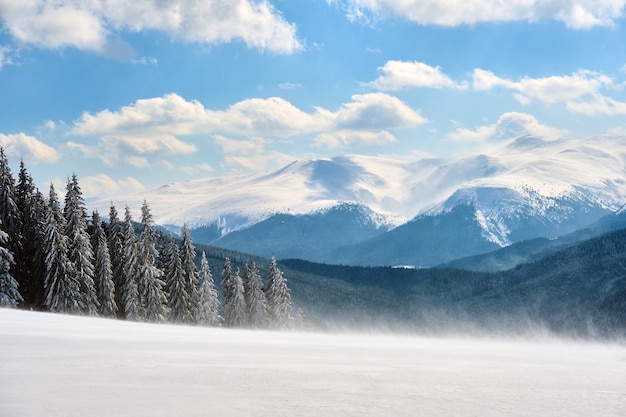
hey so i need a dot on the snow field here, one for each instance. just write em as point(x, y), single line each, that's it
point(63, 366)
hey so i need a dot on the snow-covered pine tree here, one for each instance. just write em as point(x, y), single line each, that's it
point(179, 300)
point(115, 239)
point(80, 250)
point(234, 302)
point(9, 292)
point(31, 206)
point(188, 256)
point(131, 309)
point(278, 298)
point(209, 307)
point(24, 191)
point(151, 293)
point(39, 256)
point(62, 290)
point(10, 217)
point(103, 272)
point(256, 304)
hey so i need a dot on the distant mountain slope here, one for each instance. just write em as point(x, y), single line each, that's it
point(533, 249)
point(577, 290)
point(525, 188)
point(312, 236)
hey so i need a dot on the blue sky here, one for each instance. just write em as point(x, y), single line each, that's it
point(134, 95)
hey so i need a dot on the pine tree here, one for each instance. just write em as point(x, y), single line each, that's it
point(234, 303)
point(23, 198)
point(130, 293)
point(179, 299)
point(278, 297)
point(31, 206)
point(256, 304)
point(151, 293)
point(62, 290)
point(10, 217)
point(103, 271)
point(115, 239)
point(9, 293)
point(208, 311)
point(188, 256)
point(80, 250)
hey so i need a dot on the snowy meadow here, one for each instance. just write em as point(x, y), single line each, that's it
point(65, 366)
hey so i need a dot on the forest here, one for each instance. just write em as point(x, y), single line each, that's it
point(56, 258)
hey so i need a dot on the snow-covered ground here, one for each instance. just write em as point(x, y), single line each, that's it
point(61, 366)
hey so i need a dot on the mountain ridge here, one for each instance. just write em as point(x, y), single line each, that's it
point(523, 188)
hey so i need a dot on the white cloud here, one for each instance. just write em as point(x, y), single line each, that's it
point(29, 148)
point(198, 168)
point(344, 139)
point(149, 126)
point(575, 14)
point(553, 89)
point(264, 162)
point(374, 111)
point(289, 86)
point(93, 25)
point(255, 145)
point(582, 92)
point(101, 185)
point(112, 149)
point(145, 61)
point(5, 56)
point(401, 74)
point(509, 125)
point(598, 105)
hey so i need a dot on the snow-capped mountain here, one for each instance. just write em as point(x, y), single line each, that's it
point(527, 187)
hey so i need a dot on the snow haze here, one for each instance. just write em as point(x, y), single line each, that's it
point(56, 365)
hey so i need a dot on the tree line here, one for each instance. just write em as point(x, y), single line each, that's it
point(54, 258)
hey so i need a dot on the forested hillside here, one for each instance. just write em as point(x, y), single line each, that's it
point(578, 290)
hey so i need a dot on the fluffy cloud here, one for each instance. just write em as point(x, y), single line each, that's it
point(29, 148)
point(401, 74)
point(150, 126)
point(553, 89)
point(102, 185)
point(112, 149)
point(509, 125)
point(581, 92)
point(250, 146)
point(576, 14)
point(374, 111)
point(91, 25)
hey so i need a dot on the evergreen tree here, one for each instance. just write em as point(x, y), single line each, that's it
point(179, 299)
point(31, 206)
point(62, 290)
point(278, 297)
point(256, 304)
point(234, 303)
point(80, 250)
point(151, 293)
point(103, 272)
point(130, 292)
point(188, 256)
point(23, 198)
point(208, 311)
point(10, 217)
point(115, 239)
point(9, 293)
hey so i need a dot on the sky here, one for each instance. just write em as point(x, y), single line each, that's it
point(130, 96)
